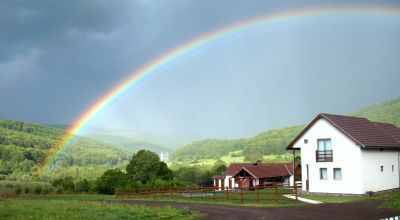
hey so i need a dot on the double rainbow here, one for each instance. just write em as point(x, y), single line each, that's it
point(140, 74)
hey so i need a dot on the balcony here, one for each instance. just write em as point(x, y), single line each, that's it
point(324, 155)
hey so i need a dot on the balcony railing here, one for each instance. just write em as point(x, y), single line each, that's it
point(324, 155)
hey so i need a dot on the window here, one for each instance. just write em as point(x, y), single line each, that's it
point(381, 168)
point(324, 152)
point(305, 141)
point(323, 173)
point(337, 173)
point(324, 144)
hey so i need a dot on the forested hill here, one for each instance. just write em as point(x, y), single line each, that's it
point(23, 146)
point(388, 112)
point(274, 141)
point(269, 142)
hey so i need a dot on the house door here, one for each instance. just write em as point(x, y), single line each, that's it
point(230, 183)
point(307, 181)
point(223, 184)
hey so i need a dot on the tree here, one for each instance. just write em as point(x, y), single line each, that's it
point(110, 181)
point(66, 183)
point(146, 166)
point(82, 186)
point(219, 167)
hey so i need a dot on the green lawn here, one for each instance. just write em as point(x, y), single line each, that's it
point(83, 207)
point(389, 199)
point(266, 198)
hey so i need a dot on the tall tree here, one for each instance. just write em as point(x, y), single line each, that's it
point(145, 166)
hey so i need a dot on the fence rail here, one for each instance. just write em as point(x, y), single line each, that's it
point(252, 194)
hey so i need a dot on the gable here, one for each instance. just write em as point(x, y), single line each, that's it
point(360, 130)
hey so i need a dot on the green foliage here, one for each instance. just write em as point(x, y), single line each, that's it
point(387, 112)
point(146, 166)
point(65, 183)
point(273, 141)
point(23, 146)
point(111, 180)
point(82, 185)
point(219, 167)
point(18, 190)
point(38, 189)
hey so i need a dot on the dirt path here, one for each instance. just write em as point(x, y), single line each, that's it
point(363, 210)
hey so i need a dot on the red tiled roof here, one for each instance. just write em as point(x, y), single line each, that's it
point(362, 131)
point(261, 170)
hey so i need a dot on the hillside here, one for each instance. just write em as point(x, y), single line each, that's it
point(271, 142)
point(388, 112)
point(274, 141)
point(24, 145)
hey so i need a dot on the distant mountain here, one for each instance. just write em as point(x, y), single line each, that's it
point(23, 146)
point(388, 112)
point(274, 141)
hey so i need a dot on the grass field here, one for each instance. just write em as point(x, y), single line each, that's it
point(83, 207)
point(266, 197)
point(390, 199)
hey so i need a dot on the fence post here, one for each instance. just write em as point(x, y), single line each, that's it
point(258, 194)
point(170, 190)
point(201, 192)
point(295, 192)
point(276, 194)
point(214, 192)
point(227, 194)
point(241, 194)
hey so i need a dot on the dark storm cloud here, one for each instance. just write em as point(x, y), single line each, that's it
point(58, 57)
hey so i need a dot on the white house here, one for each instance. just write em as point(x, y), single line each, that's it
point(348, 155)
point(247, 175)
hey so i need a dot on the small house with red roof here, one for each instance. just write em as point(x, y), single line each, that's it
point(348, 155)
point(247, 175)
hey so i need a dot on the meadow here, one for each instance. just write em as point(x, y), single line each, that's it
point(62, 207)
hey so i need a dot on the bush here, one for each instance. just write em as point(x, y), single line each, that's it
point(46, 190)
point(82, 186)
point(27, 190)
point(110, 181)
point(18, 190)
point(38, 189)
point(66, 183)
point(59, 190)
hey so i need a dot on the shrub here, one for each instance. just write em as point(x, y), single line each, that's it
point(46, 190)
point(27, 190)
point(38, 189)
point(9, 185)
point(59, 190)
point(18, 190)
point(82, 186)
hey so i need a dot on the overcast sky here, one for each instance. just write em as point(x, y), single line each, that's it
point(57, 58)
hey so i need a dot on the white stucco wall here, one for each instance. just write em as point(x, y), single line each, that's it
point(346, 155)
point(361, 170)
point(373, 178)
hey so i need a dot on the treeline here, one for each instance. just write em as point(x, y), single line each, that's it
point(145, 170)
point(272, 141)
point(23, 146)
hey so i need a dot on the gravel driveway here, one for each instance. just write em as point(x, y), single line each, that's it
point(361, 210)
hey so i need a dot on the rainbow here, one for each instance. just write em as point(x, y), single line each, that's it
point(153, 66)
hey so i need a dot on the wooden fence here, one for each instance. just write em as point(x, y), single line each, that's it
point(253, 194)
